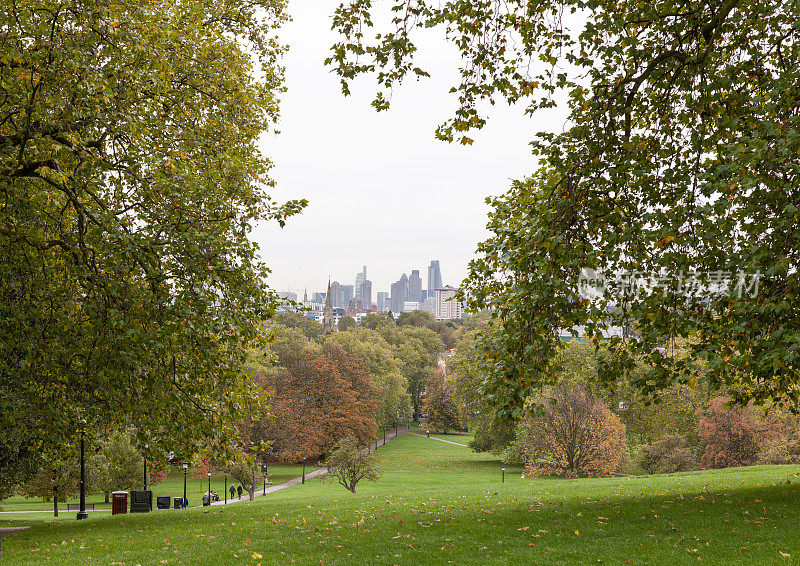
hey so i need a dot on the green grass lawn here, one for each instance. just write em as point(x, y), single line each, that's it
point(437, 503)
point(172, 486)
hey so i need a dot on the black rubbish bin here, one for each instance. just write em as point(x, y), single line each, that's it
point(141, 501)
point(177, 503)
point(162, 502)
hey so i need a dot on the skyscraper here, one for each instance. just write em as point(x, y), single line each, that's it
point(366, 294)
point(434, 277)
point(336, 295)
point(414, 286)
point(383, 301)
point(398, 297)
point(347, 295)
point(363, 288)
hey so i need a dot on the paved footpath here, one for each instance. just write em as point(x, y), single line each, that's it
point(441, 440)
point(260, 492)
point(315, 473)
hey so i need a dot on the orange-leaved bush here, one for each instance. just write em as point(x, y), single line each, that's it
point(734, 435)
point(573, 434)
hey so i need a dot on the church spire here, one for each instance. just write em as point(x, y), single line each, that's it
point(327, 317)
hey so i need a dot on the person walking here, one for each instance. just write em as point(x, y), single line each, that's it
point(239, 490)
point(233, 492)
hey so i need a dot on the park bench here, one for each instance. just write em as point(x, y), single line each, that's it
point(77, 506)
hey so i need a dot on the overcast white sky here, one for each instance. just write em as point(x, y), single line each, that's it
point(383, 191)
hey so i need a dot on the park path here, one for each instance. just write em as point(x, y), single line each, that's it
point(318, 472)
point(273, 488)
point(441, 440)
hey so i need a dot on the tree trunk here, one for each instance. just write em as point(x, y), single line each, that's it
point(106, 494)
point(55, 503)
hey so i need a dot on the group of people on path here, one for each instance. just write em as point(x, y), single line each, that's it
point(235, 490)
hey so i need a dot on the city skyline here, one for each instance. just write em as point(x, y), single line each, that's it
point(341, 280)
point(382, 190)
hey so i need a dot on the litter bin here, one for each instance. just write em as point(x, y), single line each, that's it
point(141, 501)
point(162, 502)
point(119, 502)
point(178, 503)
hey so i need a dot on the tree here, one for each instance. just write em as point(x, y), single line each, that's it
point(375, 321)
point(417, 350)
point(677, 163)
point(348, 465)
point(425, 319)
point(310, 328)
point(320, 395)
point(346, 323)
point(440, 407)
point(53, 481)
point(393, 399)
point(131, 178)
point(247, 474)
point(734, 435)
point(574, 434)
point(119, 465)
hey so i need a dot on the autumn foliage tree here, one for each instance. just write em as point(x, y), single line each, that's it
point(734, 435)
point(320, 395)
point(573, 434)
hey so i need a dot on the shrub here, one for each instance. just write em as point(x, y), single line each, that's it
point(671, 453)
point(734, 435)
point(573, 434)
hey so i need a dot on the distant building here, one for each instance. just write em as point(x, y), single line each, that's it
point(336, 295)
point(288, 295)
point(414, 286)
point(398, 297)
point(409, 306)
point(404, 281)
point(328, 322)
point(429, 304)
point(347, 295)
point(434, 277)
point(319, 298)
point(446, 307)
point(364, 293)
point(383, 301)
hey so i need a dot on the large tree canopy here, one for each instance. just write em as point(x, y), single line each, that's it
point(679, 160)
point(129, 180)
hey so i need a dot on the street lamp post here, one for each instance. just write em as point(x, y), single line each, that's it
point(209, 487)
point(82, 514)
point(145, 466)
point(304, 471)
point(226, 488)
point(184, 503)
point(504, 474)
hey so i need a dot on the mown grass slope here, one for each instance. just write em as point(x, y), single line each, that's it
point(438, 503)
